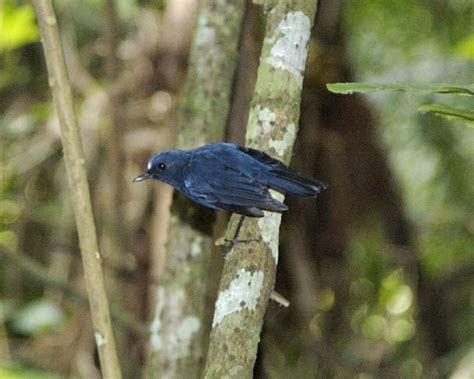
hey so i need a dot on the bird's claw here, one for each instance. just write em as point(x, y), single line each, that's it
point(229, 244)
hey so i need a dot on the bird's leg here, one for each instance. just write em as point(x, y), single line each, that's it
point(231, 243)
point(234, 241)
point(239, 225)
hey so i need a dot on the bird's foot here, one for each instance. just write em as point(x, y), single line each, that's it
point(229, 244)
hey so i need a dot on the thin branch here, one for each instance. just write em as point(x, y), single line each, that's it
point(279, 299)
point(116, 156)
point(78, 185)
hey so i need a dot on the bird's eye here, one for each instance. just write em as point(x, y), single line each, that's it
point(161, 166)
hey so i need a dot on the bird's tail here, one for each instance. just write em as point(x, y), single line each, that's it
point(286, 180)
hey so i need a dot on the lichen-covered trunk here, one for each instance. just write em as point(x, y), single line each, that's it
point(249, 271)
point(182, 321)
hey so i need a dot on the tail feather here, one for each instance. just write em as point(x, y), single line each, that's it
point(289, 181)
point(284, 179)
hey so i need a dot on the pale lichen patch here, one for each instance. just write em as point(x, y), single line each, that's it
point(196, 246)
point(99, 339)
point(267, 119)
point(290, 51)
point(234, 371)
point(270, 227)
point(261, 121)
point(243, 293)
point(280, 146)
point(155, 338)
point(205, 34)
point(188, 327)
point(169, 310)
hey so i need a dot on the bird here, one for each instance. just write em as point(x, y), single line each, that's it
point(226, 176)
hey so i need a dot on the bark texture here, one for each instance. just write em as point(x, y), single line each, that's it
point(249, 271)
point(181, 322)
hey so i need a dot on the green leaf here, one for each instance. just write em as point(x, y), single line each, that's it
point(17, 26)
point(350, 88)
point(447, 111)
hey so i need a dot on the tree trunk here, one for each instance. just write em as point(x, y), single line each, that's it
point(181, 321)
point(249, 270)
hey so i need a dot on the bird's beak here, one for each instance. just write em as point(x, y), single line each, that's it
point(141, 177)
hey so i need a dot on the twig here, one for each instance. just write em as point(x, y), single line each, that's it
point(116, 157)
point(77, 179)
point(279, 299)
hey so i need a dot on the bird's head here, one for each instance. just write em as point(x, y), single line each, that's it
point(166, 166)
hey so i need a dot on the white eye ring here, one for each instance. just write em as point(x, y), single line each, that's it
point(150, 165)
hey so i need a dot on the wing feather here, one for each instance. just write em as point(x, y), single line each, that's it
point(283, 178)
point(220, 186)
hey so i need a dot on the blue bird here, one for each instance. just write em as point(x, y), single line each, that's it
point(225, 176)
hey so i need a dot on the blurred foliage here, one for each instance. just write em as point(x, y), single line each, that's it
point(419, 42)
point(17, 26)
point(16, 371)
point(17, 29)
point(380, 295)
point(399, 37)
point(431, 157)
point(465, 47)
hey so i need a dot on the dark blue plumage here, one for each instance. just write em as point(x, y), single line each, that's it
point(229, 177)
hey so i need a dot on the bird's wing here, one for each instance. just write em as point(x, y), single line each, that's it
point(217, 185)
point(262, 157)
point(283, 178)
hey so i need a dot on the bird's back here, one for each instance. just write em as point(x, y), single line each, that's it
point(263, 168)
point(230, 177)
point(219, 176)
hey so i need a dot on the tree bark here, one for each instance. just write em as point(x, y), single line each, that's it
point(181, 321)
point(249, 270)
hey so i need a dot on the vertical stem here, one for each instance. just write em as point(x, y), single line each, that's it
point(78, 185)
point(116, 159)
point(5, 354)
